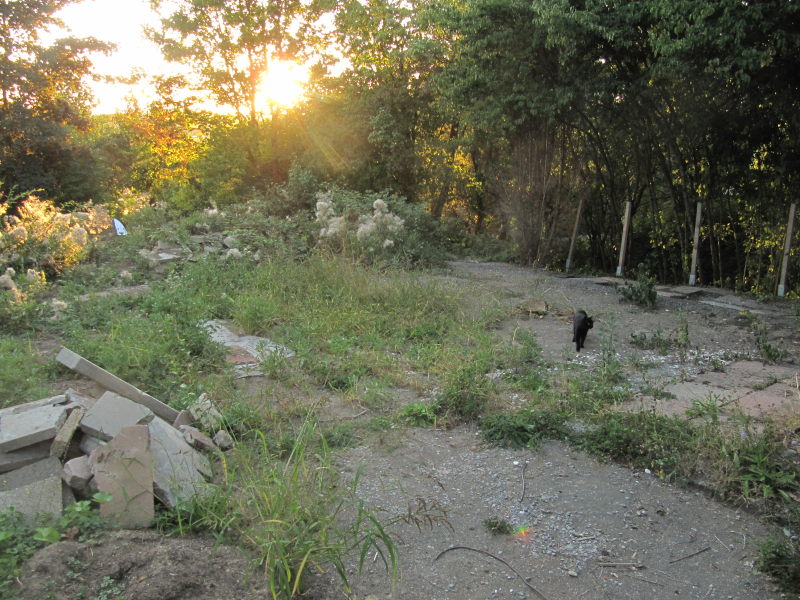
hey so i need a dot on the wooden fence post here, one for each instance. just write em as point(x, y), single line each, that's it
point(696, 242)
point(624, 245)
point(787, 246)
point(574, 235)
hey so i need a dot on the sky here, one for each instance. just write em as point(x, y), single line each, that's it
point(119, 22)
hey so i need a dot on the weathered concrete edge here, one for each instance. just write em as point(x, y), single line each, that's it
point(77, 363)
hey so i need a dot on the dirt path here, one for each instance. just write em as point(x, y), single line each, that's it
point(593, 530)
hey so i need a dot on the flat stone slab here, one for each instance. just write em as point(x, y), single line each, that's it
point(20, 408)
point(178, 469)
point(111, 413)
point(33, 489)
point(16, 459)
point(124, 469)
point(18, 430)
point(77, 363)
point(689, 290)
point(259, 348)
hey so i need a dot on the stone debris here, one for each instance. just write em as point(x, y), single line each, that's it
point(245, 351)
point(204, 412)
point(110, 382)
point(123, 468)
point(56, 449)
point(111, 413)
point(19, 430)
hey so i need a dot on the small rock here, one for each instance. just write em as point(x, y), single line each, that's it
point(223, 440)
point(196, 438)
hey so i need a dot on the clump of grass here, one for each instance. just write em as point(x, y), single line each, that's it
point(769, 352)
point(498, 526)
point(643, 440)
point(290, 512)
point(21, 372)
point(780, 559)
point(465, 393)
point(642, 290)
point(523, 429)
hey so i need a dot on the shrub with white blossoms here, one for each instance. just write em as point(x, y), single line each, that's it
point(379, 230)
point(370, 236)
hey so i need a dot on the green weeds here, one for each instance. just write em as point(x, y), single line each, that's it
point(523, 429)
point(22, 372)
point(291, 513)
point(641, 291)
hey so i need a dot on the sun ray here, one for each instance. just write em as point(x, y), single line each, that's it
point(282, 84)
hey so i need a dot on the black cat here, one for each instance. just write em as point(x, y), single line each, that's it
point(581, 324)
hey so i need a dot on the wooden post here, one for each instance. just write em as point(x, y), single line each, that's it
point(624, 245)
point(696, 242)
point(574, 235)
point(787, 246)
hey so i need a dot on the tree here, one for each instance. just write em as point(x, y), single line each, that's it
point(43, 99)
point(228, 44)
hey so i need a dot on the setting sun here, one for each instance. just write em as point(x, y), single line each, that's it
point(282, 84)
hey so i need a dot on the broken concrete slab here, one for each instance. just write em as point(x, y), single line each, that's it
point(111, 413)
point(77, 363)
point(196, 438)
point(24, 456)
point(123, 468)
point(736, 307)
point(64, 435)
point(33, 489)
point(260, 348)
point(184, 418)
point(179, 470)
point(205, 413)
point(20, 408)
point(77, 473)
point(89, 443)
point(25, 428)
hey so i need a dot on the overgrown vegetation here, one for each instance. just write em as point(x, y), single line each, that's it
point(20, 537)
point(642, 290)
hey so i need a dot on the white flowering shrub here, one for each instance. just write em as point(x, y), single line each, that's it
point(369, 237)
point(379, 228)
point(43, 238)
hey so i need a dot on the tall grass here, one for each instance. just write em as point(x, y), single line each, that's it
point(290, 513)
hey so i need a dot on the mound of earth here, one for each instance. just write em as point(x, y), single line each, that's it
point(140, 565)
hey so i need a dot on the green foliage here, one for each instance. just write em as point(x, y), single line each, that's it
point(758, 473)
point(465, 392)
point(769, 352)
point(291, 513)
point(419, 414)
point(20, 537)
point(498, 526)
point(641, 291)
point(642, 440)
point(22, 373)
point(523, 429)
point(780, 559)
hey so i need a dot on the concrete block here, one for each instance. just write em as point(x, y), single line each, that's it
point(20, 408)
point(33, 489)
point(76, 473)
point(196, 438)
point(64, 435)
point(205, 413)
point(223, 440)
point(178, 468)
point(89, 443)
point(77, 363)
point(111, 413)
point(124, 469)
point(184, 418)
point(16, 459)
point(18, 430)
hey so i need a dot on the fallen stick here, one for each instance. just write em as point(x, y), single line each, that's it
point(497, 558)
point(690, 555)
point(525, 466)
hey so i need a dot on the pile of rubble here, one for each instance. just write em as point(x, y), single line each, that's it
point(124, 443)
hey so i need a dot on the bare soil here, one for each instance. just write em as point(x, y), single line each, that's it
point(585, 529)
